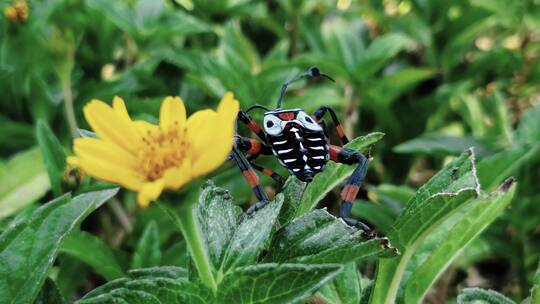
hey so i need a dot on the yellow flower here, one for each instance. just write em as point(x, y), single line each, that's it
point(149, 158)
point(17, 12)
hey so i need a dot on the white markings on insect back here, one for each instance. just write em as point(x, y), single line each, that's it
point(314, 139)
point(295, 131)
point(280, 142)
point(290, 160)
point(284, 151)
point(318, 157)
point(317, 148)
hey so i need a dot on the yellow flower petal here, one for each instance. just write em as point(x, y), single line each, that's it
point(120, 107)
point(201, 130)
point(212, 158)
point(177, 177)
point(210, 135)
point(112, 126)
point(228, 106)
point(149, 192)
point(107, 151)
point(107, 161)
point(172, 114)
point(144, 127)
point(109, 171)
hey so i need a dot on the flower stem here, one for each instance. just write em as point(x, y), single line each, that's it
point(195, 245)
point(68, 105)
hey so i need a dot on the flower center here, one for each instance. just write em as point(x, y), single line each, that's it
point(162, 150)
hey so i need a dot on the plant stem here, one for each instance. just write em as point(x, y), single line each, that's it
point(195, 245)
point(68, 105)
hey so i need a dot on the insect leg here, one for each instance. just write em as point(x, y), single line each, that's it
point(339, 129)
point(254, 148)
point(275, 176)
point(352, 186)
point(251, 124)
point(252, 178)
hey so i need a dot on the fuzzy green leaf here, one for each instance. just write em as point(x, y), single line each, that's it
point(251, 234)
point(218, 218)
point(482, 296)
point(319, 237)
point(53, 155)
point(293, 189)
point(333, 174)
point(344, 288)
point(29, 248)
point(274, 283)
point(160, 285)
point(94, 252)
point(147, 253)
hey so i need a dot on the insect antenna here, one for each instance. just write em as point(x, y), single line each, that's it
point(312, 72)
point(258, 106)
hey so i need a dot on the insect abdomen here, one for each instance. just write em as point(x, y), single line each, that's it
point(303, 153)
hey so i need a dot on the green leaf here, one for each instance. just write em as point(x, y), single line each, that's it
point(150, 285)
point(28, 249)
point(15, 134)
point(94, 252)
point(528, 131)
point(379, 52)
point(391, 195)
point(344, 288)
point(384, 91)
point(496, 168)
point(23, 180)
point(117, 13)
point(433, 202)
point(333, 174)
point(535, 290)
point(293, 189)
point(319, 237)
point(274, 283)
point(380, 216)
point(53, 155)
point(218, 218)
point(446, 242)
point(49, 294)
point(251, 235)
point(441, 145)
point(72, 274)
point(147, 253)
point(482, 296)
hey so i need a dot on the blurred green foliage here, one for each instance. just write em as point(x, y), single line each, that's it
point(436, 77)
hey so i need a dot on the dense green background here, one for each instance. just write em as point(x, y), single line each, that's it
point(435, 76)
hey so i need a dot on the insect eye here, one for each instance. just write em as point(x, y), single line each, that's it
point(308, 119)
point(269, 124)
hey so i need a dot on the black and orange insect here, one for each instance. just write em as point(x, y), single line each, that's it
point(301, 144)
